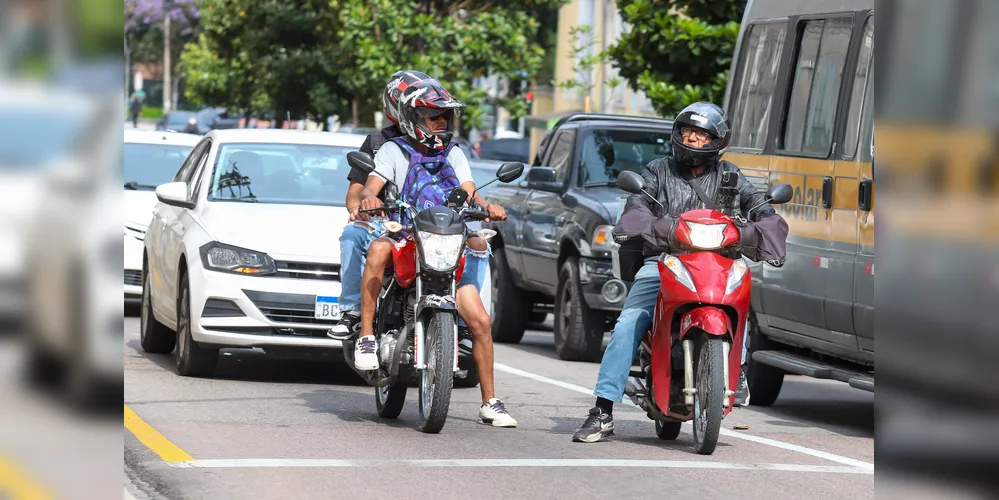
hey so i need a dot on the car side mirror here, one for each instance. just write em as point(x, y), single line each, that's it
point(510, 171)
point(631, 182)
point(174, 194)
point(363, 162)
point(780, 193)
point(542, 178)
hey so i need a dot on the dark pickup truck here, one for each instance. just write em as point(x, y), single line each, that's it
point(553, 252)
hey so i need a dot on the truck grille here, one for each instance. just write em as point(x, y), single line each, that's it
point(133, 277)
point(308, 271)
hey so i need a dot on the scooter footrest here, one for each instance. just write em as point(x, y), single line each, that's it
point(637, 374)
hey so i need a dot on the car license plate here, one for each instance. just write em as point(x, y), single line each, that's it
point(327, 307)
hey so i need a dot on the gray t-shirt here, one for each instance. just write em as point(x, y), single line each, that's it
point(391, 164)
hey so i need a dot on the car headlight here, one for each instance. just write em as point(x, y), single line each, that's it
point(735, 275)
point(440, 252)
point(227, 258)
point(679, 270)
point(603, 239)
point(706, 236)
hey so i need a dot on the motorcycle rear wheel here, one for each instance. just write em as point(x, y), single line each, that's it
point(709, 373)
point(437, 379)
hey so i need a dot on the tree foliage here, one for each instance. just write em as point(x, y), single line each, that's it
point(677, 51)
point(320, 57)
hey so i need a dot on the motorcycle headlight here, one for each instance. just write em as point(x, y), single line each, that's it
point(680, 271)
point(735, 276)
point(441, 252)
point(227, 258)
point(706, 236)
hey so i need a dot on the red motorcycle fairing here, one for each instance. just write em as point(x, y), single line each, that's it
point(709, 272)
point(404, 262)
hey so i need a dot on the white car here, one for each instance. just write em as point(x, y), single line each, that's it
point(150, 159)
point(243, 247)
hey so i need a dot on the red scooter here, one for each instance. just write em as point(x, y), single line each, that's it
point(690, 359)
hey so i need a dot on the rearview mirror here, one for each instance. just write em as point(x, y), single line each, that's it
point(174, 194)
point(510, 171)
point(361, 161)
point(630, 182)
point(780, 193)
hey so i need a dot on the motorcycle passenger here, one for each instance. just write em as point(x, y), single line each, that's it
point(426, 165)
point(701, 132)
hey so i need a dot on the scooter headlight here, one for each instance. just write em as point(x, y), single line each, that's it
point(680, 271)
point(735, 275)
point(440, 251)
point(706, 236)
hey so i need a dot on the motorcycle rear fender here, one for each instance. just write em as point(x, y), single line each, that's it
point(709, 319)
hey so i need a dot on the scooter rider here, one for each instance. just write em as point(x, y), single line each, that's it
point(426, 165)
point(701, 132)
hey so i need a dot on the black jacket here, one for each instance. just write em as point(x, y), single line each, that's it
point(763, 237)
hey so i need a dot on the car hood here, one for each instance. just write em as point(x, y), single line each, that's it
point(610, 198)
point(293, 232)
point(139, 207)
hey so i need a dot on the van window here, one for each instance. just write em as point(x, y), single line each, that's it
point(757, 75)
point(861, 87)
point(562, 154)
point(818, 73)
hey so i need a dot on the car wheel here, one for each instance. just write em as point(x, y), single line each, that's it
point(154, 337)
point(193, 360)
point(764, 381)
point(579, 332)
point(510, 304)
point(472, 377)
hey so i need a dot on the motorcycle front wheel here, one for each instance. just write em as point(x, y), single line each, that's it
point(709, 373)
point(437, 379)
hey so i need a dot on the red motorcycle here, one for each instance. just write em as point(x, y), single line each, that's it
point(690, 359)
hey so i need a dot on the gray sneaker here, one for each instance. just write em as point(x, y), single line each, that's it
point(597, 426)
point(742, 393)
point(346, 328)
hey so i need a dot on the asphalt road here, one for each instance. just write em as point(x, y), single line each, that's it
point(266, 429)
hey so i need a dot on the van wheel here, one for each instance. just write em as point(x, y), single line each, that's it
point(764, 381)
point(579, 332)
point(509, 303)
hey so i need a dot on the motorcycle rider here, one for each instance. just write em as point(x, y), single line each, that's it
point(364, 229)
point(425, 165)
point(701, 132)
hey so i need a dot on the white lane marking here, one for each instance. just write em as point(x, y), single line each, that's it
point(725, 432)
point(527, 462)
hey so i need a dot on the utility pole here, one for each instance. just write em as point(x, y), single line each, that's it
point(167, 76)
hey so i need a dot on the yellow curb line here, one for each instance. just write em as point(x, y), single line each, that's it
point(152, 438)
point(16, 485)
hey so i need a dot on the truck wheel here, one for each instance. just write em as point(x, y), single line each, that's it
point(764, 381)
point(579, 332)
point(510, 304)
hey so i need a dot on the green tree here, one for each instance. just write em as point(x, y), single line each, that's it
point(677, 51)
point(583, 52)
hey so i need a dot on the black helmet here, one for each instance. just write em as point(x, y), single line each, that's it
point(706, 117)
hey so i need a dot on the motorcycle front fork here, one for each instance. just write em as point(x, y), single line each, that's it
point(690, 385)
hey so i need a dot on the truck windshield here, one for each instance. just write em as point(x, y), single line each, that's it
point(608, 152)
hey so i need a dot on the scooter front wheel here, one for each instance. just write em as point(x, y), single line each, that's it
point(709, 373)
point(437, 378)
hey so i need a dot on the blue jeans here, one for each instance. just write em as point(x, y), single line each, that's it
point(634, 321)
point(354, 243)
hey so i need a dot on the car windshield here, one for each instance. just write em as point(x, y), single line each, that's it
point(34, 136)
point(149, 165)
point(607, 153)
point(292, 174)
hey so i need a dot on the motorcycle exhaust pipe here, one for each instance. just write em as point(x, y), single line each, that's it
point(688, 373)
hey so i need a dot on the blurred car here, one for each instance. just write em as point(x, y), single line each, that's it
point(507, 149)
point(243, 247)
point(215, 119)
point(150, 159)
point(179, 121)
point(74, 322)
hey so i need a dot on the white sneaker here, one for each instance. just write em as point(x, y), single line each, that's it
point(365, 353)
point(494, 413)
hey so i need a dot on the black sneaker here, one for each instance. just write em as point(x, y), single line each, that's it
point(596, 427)
point(742, 393)
point(464, 340)
point(346, 328)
